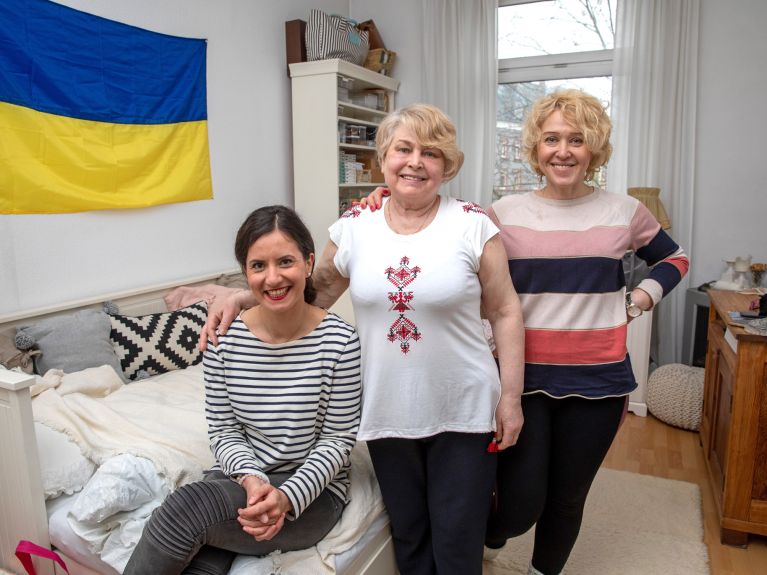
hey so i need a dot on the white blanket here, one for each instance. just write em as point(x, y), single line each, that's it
point(161, 419)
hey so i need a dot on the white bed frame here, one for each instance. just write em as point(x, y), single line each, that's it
point(21, 491)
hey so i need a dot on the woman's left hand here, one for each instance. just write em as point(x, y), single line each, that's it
point(508, 422)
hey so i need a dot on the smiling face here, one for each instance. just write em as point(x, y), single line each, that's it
point(276, 272)
point(563, 156)
point(412, 172)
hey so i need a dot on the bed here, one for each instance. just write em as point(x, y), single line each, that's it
point(88, 449)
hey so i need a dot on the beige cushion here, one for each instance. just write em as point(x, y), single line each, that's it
point(675, 395)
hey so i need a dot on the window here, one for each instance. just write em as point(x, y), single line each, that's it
point(543, 46)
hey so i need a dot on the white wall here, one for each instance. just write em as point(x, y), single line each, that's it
point(49, 259)
point(730, 217)
point(399, 22)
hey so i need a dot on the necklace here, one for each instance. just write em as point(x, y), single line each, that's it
point(425, 218)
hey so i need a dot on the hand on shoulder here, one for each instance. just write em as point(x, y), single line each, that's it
point(222, 311)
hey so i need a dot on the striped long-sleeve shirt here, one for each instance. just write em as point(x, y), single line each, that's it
point(286, 408)
point(565, 259)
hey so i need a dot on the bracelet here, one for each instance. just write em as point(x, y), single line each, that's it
point(240, 479)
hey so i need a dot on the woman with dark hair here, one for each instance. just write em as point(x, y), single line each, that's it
point(283, 406)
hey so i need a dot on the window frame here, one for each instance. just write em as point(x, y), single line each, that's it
point(556, 66)
point(548, 67)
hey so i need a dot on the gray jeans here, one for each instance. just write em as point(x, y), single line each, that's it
point(195, 531)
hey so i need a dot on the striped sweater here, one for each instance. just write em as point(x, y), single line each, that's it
point(286, 408)
point(565, 259)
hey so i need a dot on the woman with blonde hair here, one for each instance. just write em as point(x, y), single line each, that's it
point(565, 243)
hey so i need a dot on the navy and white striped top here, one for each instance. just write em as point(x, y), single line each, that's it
point(286, 408)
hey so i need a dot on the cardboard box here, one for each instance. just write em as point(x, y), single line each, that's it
point(375, 40)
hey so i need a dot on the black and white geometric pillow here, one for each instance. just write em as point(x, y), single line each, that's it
point(158, 342)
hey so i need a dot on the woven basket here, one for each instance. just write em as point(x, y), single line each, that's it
point(380, 60)
point(675, 395)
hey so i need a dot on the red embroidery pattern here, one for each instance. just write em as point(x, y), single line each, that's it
point(403, 329)
point(352, 212)
point(472, 207)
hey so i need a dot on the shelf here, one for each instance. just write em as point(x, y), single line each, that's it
point(358, 121)
point(369, 78)
point(356, 147)
point(349, 110)
point(323, 114)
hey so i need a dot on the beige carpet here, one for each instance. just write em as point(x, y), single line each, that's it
point(633, 525)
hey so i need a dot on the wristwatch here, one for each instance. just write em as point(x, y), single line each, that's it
point(632, 309)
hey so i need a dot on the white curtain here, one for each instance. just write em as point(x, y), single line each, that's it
point(654, 96)
point(459, 46)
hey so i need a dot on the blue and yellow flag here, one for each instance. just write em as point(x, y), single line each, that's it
point(97, 115)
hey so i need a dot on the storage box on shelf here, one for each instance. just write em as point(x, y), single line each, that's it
point(337, 107)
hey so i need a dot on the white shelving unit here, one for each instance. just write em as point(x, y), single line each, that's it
point(327, 97)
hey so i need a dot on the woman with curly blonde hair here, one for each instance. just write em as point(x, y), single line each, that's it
point(565, 243)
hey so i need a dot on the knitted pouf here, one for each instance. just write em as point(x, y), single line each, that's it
point(675, 395)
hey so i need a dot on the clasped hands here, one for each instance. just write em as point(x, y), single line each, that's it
point(264, 514)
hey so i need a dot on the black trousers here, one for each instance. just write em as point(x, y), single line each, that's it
point(545, 478)
point(437, 491)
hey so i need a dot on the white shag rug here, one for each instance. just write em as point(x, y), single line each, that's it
point(633, 525)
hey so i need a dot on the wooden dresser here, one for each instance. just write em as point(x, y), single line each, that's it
point(733, 429)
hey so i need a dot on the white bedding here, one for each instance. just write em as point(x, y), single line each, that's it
point(106, 418)
point(125, 430)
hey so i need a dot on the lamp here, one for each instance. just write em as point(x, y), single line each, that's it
point(635, 269)
point(650, 197)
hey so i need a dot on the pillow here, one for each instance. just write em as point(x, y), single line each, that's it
point(159, 342)
point(71, 342)
point(12, 357)
point(63, 468)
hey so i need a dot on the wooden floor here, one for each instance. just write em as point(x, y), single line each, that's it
point(648, 446)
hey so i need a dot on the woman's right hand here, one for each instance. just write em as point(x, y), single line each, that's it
point(374, 198)
point(221, 313)
point(265, 511)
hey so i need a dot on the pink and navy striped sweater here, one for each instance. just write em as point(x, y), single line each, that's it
point(565, 259)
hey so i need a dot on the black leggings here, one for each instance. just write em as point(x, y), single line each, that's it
point(544, 479)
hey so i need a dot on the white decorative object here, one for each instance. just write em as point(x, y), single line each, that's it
point(727, 281)
point(675, 395)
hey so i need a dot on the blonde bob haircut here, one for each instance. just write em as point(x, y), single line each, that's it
point(582, 111)
point(431, 128)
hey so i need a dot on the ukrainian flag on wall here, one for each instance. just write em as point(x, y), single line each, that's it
point(96, 115)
